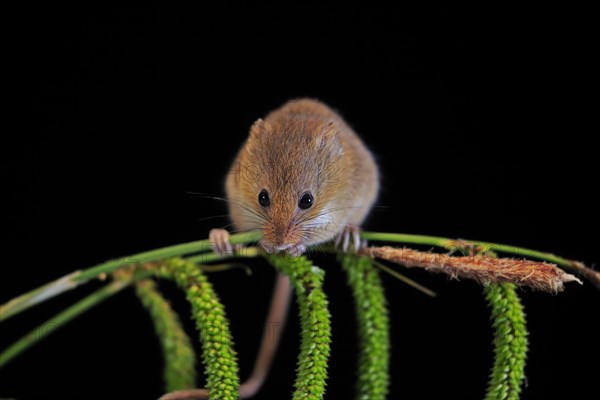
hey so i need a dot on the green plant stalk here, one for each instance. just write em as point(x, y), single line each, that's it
point(245, 252)
point(178, 354)
point(74, 279)
point(52, 324)
point(38, 295)
point(163, 253)
point(70, 281)
point(451, 244)
point(315, 323)
point(510, 342)
point(373, 327)
point(218, 355)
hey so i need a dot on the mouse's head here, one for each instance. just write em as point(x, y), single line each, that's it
point(293, 170)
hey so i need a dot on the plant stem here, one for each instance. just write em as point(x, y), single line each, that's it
point(510, 342)
point(451, 244)
point(481, 268)
point(39, 295)
point(161, 254)
point(245, 252)
point(178, 354)
point(404, 279)
point(373, 327)
point(405, 238)
point(218, 355)
point(52, 324)
point(74, 279)
point(315, 321)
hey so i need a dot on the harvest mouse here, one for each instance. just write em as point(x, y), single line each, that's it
point(302, 177)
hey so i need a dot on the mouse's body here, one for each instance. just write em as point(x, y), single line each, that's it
point(302, 177)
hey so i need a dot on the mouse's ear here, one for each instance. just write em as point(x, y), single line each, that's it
point(260, 127)
point(329, 139)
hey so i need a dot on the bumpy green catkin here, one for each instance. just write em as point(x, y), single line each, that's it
point(315, 323)
point(178, 353)
point(218, 356)
point(373, 327)
point(510, 342)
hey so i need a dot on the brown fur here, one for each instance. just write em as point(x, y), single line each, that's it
point(302, 146)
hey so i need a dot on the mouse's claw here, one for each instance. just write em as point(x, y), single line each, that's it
point(219, 241)
point(350, 233)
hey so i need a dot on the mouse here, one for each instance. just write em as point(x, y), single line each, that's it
point(302, 177)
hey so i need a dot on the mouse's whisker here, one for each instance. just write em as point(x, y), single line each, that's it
point(259, 212)
point(309, 217)
point(227, 226)
point(312, 214)
point(320, 233)
point(253, 218)
point(212, 217)
point(253, 225)
point(323, 233)
point(261, 215)
point(318, 248)
point(244, 230)
point(254, 212)
point(325, 237)
point(256, 221)
point(315, 236)
point(205, 196)
point(319, 226)
point(305, 236)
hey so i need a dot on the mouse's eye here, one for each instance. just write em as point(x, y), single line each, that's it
point(263, 198)
point(306, 201)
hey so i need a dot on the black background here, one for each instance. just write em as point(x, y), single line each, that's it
point(478, 118)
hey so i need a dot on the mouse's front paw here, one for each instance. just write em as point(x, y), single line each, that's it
point(350, 233)
point(219, 241)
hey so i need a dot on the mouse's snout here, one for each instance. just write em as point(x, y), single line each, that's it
point(293, 249)
point(280, 235)
point(276, 237)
